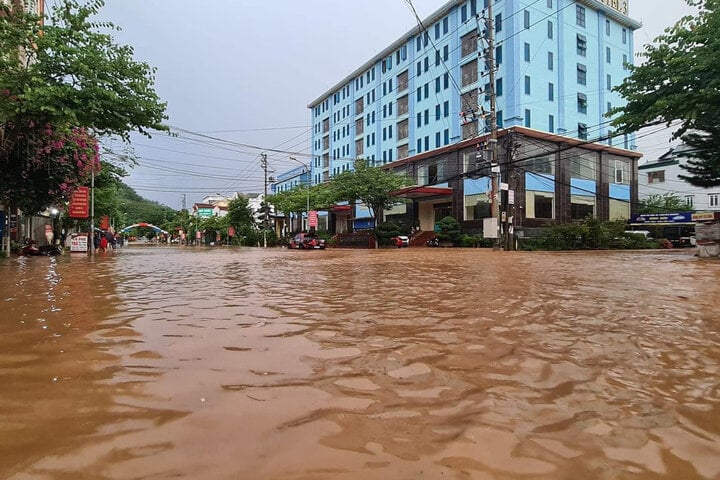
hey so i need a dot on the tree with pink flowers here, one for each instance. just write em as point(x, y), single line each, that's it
point(64, 83)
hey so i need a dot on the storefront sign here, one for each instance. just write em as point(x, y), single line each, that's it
point(78, 243)
point(704, 216)
point(679, 217)
point(79, 203)
point(619, 5)
point(313, 219)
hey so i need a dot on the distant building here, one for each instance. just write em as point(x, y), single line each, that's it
point(661, 176)
point(420, 106)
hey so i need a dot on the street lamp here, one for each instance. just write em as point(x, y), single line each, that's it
point(307, 188)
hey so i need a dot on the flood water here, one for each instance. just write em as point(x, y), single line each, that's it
point(420, 363)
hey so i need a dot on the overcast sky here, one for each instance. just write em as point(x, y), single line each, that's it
point(245, 71)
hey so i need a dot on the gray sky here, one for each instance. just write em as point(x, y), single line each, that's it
point(245, 70)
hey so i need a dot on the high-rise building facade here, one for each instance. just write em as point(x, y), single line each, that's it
point(428, 96)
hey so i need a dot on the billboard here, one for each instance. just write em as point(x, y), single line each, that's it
point(79, 203)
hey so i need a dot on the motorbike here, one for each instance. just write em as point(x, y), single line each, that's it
point(31, 248)
point(433, 242)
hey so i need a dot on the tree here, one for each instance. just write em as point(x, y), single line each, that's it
point(665, 203)
point(371, 185)
point(679, 81)
point(64, 83)
point(239, 213)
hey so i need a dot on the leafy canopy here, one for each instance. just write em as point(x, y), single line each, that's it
point(680, 81)
point(63, 83)
point(370, 185)
point(663, 203)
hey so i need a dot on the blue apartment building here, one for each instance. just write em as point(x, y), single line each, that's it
point(421, 107)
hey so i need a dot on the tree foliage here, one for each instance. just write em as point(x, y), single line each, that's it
point(680, 81)
point(663, 203)
point(63, 83)
point(239, 213)
point(371, 185)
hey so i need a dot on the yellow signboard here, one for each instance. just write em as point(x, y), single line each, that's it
point(619, 5)
point(703, 216)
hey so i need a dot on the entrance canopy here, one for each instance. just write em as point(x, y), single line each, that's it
point(417, 192)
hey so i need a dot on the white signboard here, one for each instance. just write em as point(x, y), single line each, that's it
point(79, 243)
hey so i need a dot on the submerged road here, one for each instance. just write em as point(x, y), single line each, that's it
point(158, 363)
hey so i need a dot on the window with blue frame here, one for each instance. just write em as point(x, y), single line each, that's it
point(527, 118)
point(527, 52)
point(498, 23)
point(581, 42)
point(580, 15)
point(551, 61)
point(526, 19)
point(551, 123)
point(581, 74)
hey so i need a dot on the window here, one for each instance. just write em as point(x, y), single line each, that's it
point(446, 81)
point(445, 25)
point(526, 19)
point(498, 55)
point(624, 36)
point(446, 53)
point(581, 45)
point(437, 85)
point(427, 90)
point(437, 140)
point(608, 81)
point(446, 108)
point(543, 203)
point(419, 119)
point(656, 177)
point(419, 94)
point(549, 4)
point(551, 61)
point(438, 112)
point(527, 118)
point(620, 172)
point(498, 23)
point(582, 103)
point(527, 52)
point(551, 123)
point(714, 200)
point(550, 29)
point(402, 81)
point(419, 145)
point(607, 27)
point(582, 131)
point(468, 44)
point(625, 62)
point(499, 87)
point(527, 85)
point(427, 116)
point(426, 64)
point(580, 15)
point(437, 31)
point(402, 105)
point(607, 55)
point(463, 13)
point(418, 69)
point(446, 136)
point(402, 130)
point(469, 73)
point(551, 92)
point(581, 74)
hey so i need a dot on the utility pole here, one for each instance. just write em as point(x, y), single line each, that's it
point(264, 163)
point(494, 165)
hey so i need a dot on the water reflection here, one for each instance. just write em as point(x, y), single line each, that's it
point(413, 363)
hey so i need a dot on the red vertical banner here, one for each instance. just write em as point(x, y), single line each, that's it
point(312, 219)
point(79, 203)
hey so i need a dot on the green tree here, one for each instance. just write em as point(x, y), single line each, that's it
point(663, 203)
point(239, 213)
point(64, 83)
point(680, 81)
point(371, 185)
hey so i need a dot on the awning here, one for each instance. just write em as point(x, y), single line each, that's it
point(422, 192)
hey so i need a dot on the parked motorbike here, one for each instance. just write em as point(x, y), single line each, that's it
point(31, 248)
point(433, 242)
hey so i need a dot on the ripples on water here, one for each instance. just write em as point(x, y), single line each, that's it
point(392, 364)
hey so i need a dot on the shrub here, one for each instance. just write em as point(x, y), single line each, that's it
point(385, 231)
point(449, 230)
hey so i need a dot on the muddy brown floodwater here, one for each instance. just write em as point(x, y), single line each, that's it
point(158, 363)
